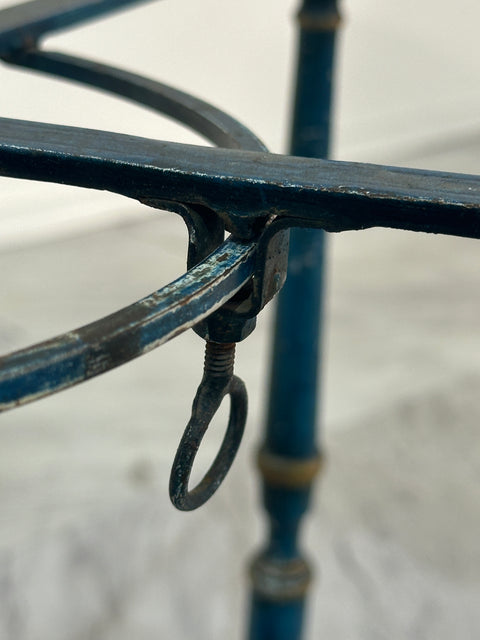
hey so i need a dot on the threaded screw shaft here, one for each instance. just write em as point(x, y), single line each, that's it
point(219, 359)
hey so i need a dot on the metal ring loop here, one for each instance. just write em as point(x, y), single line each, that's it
point(204, 408)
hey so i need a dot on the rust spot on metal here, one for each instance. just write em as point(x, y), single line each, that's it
point(291, 473)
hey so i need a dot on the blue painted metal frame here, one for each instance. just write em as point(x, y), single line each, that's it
point(81, 354)
point(253, 193)
point(248, 190)
point(257, 197)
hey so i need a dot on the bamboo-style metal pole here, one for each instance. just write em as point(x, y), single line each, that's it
point(290, 456)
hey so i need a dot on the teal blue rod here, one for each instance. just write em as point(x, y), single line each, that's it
point(280, 574)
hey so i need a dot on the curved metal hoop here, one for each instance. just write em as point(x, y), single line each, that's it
point(75, 356)
point(208, 121)
point(205, 405)
point(68, 359)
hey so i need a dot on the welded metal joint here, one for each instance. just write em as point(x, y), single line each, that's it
point(218, 381)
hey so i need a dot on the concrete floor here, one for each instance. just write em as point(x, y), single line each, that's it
point(90, 547)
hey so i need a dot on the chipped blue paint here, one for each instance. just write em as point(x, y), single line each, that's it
point(59, 363)
point(245, 187)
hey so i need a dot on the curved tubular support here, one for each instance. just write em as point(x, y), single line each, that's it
point(78, 355)
point(210, 122)
point(218, 381)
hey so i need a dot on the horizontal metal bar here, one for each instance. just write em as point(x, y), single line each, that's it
point(68, 359)
point(245, 187)
point(23, 24)
point(214, 124)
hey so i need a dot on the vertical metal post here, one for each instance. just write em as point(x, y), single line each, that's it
point(290, 458)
